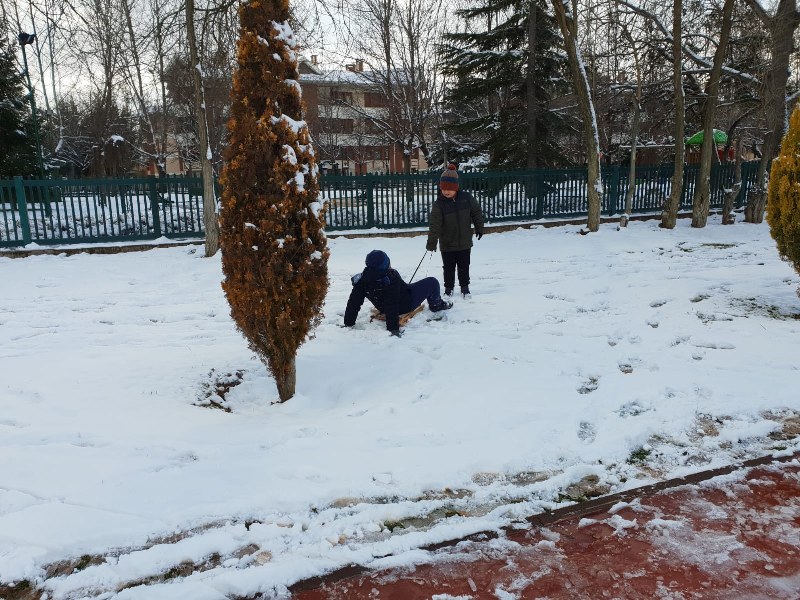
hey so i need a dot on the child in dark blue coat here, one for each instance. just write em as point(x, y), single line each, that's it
point(387, 291)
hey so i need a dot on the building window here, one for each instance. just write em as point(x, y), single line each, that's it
point(336, 125)
point(374, 100)
point(337, 97)
point(371, 128)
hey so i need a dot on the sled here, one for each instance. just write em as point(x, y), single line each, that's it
point(404, 318)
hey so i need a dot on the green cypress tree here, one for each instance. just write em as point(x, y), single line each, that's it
point(17, 140)
point(489, 98)
point(274, 252)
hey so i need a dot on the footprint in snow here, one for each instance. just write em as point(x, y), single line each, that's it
point(715, 345)
point(679, 340)
point(589, 385)
point(699, 298)
point(586, 432)
point(631, 409)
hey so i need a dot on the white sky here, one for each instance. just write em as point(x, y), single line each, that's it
point(104, 451)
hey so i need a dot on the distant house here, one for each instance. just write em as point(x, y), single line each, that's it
point(178, 148)
point(343, 109)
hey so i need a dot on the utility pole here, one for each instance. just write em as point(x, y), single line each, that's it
point(26, 39)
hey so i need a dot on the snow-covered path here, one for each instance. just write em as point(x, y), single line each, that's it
point(582, 364)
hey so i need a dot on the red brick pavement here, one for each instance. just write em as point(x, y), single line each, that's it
point(736, 536)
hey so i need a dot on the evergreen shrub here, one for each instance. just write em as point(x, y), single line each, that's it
point(274, 251)
point(783, 204)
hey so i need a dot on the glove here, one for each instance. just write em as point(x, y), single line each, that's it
point(479, 235)
point(431, 247)
point(396, 333)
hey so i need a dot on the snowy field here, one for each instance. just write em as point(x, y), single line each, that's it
point(581, 365)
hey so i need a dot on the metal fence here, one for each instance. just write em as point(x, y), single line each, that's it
point(395, 201)
point(61, 211)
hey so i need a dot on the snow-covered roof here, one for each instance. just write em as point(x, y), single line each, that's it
point(348, 77)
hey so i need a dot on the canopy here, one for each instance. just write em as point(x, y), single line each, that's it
point(720, 137)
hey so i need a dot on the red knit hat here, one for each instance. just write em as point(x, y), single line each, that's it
point(449, 179)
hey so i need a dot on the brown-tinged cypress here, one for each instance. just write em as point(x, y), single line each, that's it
point(274, 252)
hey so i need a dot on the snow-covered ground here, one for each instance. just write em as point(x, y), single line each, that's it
point(581, 365)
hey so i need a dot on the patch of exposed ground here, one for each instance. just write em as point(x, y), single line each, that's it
point(214, 391)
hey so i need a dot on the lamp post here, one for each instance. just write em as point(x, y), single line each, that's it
point(24, 40)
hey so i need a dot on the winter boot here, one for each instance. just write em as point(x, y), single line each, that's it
point(438, 305)
point(465, 291)
point(448, 292)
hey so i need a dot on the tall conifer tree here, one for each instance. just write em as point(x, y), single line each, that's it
point(492, 71)
point(274, 252)
point(783, 215)
point(17, 139)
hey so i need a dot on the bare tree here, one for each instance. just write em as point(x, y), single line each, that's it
point(396, 43)
point(144, 99)
point(637, 111)
point(781, 25)
point(98, 27)
point(702, 190)
point(670, 215)
point(566, 15)
point(210, 219)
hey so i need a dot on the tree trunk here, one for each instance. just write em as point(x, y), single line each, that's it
point(670, 214)
point(782, 27)
point(210, 220)
point(730, 197)
point(532, 111)
point(567, 22)
point(702, 192)
point(162, 158)
point(287, 381)
point(637, 110)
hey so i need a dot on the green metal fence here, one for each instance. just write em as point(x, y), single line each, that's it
point(395, 201)
point(61, 211)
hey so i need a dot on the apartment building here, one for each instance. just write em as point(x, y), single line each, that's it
point(343, 109)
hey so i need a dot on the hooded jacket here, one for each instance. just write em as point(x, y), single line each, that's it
point(385, 289)
point(451, 220)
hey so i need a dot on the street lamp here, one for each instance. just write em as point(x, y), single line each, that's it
point(24, 40)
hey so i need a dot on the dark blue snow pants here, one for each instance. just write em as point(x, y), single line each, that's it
point(424, 289)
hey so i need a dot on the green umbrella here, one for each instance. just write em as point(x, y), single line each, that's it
point(720, 137)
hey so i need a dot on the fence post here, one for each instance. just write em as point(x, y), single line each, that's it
point(370, 202)
point(154, 201)
point(613, 190)
point(741, 199)
point(22, 209)
point(688, 177)
point(538, 189)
